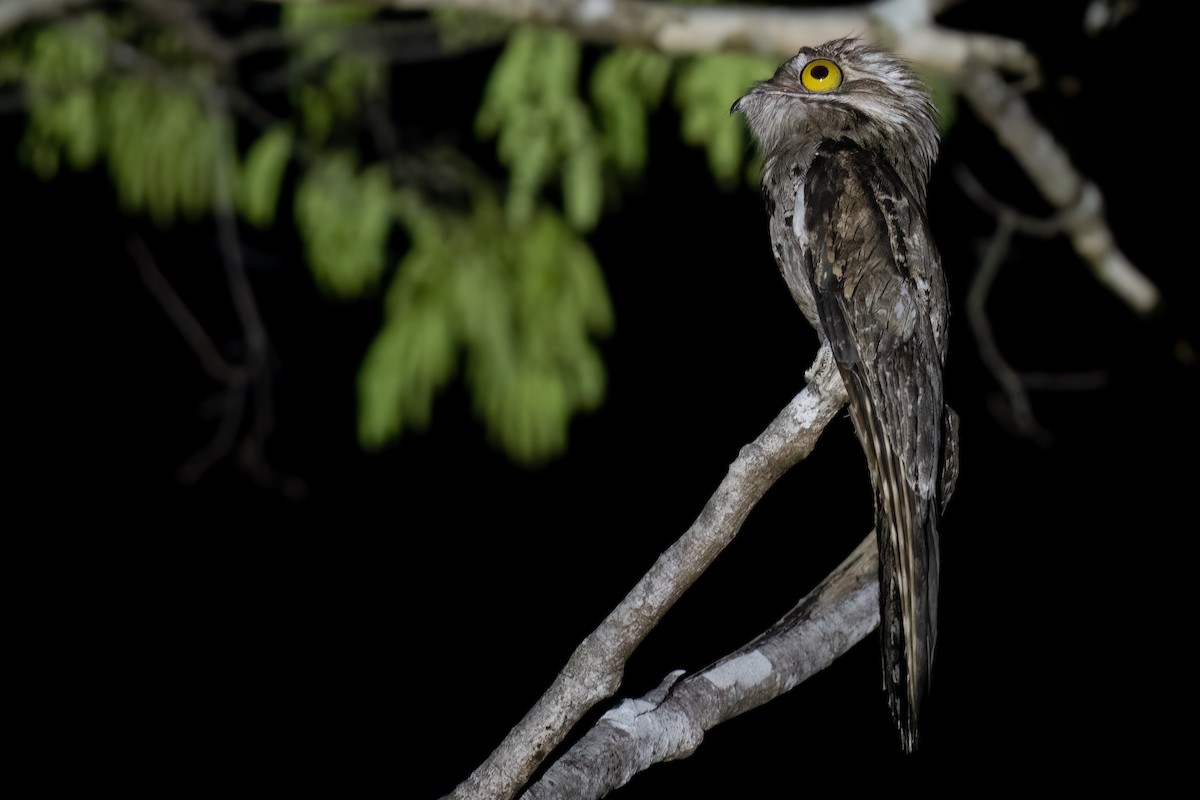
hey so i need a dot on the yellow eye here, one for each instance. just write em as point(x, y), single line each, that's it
point(821, 75)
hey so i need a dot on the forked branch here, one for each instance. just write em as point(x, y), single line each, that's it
point(669, 723)
point(594, 670)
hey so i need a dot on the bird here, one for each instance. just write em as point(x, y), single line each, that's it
point(848, 135)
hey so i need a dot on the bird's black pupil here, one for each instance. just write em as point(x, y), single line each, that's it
point(820, 73)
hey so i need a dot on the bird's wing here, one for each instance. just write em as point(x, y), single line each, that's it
point(871, 258)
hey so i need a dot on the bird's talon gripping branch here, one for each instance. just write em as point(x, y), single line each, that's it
point(823, 368)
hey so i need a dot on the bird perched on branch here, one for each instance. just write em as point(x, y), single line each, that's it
point(848, 135)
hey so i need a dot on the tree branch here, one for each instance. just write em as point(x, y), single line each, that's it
point(905, 26)
point(669, 723)
point(1016, 409)
point(1049, 168)
point(180, 315)
point(18, 12)
point(185, 21)
point(594, 670)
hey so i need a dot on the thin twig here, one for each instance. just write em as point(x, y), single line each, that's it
point(232, 403)
point(1064, 381)
point(1049, 167)
point(1042, 228)
point(251, 451)
point(180, 315)
point(1015, 385)
point(248, 384)
point(1016, 407)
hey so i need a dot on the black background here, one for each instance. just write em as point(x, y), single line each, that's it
point(385, 632)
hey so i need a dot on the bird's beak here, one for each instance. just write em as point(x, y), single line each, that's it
point(737, 107)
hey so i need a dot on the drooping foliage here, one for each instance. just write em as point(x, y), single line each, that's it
point(492, 282)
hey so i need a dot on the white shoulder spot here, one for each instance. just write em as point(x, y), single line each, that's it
point(798, 228)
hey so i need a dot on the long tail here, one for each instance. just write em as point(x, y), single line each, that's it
point(906, 530)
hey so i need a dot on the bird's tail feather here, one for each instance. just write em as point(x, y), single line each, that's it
point(907, 538)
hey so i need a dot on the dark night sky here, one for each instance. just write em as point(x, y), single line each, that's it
point(432, 591)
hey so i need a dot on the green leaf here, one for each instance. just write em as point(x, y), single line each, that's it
point(531, 105)
point(162, 149)
point(707, 87)
point(344, 217)
point(336, 79)
point(261, 175)
point(626, 85)
point(518, 303)
point(583, 187)
point(944, 97)
point(408, 362)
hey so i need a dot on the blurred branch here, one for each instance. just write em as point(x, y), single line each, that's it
point(1016, 408)
point(1024, 223)
point(18, 12)
point(248, 383)
point(257, 388)
point(905, 26)
point(1049, 167)
point(180, 315)
point(1101, 15)
point(669, 723)
point(594, 670)
point(183, 20)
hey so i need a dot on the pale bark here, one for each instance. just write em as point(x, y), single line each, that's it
point(1077, 199)
point(594, 671)
point(669, 723)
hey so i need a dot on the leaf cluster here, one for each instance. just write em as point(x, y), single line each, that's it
point(518, 304)
point(152, 129)
point(502, 289)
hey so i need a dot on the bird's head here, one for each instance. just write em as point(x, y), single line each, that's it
point(844, 89)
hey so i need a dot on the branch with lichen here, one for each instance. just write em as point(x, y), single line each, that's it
point(669, 723)
point(593, 673)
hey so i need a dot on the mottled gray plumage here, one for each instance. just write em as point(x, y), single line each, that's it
point(849, 136)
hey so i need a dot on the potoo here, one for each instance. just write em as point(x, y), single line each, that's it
point(848, 135)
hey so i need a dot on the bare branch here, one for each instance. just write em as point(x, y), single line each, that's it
point(183, 19)
point(1064, 381)
point(248, 384)
point(257, 390)
point(232, 408)
point(905, 26)
point(1049, 168)
point(594, 670)
point(1102, 15)
point(1016, 407)
point(18, 12)
point(231, 250)
point(180, 315)
point(669, 723)
point(1025, 223)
